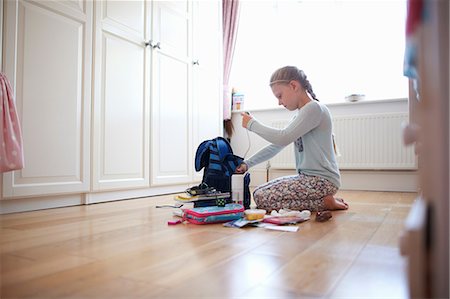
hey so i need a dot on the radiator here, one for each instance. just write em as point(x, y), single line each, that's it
point(365, 142)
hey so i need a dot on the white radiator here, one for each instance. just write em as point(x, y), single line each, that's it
point(369, 142)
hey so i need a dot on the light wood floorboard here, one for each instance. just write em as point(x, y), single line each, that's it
point(125, 249)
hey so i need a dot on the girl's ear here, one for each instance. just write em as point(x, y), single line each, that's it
point(295, 85)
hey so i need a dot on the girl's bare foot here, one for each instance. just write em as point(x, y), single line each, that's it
point(334, 203)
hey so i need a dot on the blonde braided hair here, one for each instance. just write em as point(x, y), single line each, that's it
point(287, 74)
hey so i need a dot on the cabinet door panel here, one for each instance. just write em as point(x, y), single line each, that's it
point(207, 108)
point(128, 16)
point(207, 35)
point(170, 122)
point(172, 160)
point(121, 103)
point(52, 89)
point(171, 29)
point(123, 106)
point(207, 72)
point(78, 5)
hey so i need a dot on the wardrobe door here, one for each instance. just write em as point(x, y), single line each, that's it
point(47, 58)
point(171, 121)
point(207, 72)
point(121, 97)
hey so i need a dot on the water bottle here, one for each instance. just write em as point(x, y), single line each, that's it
point(237, 188)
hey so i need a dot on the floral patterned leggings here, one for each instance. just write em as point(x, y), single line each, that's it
point(295, 192)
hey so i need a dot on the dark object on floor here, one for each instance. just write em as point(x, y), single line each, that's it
point(177, 206)
point(220, 202)
point(201, 189)
point(323, 216)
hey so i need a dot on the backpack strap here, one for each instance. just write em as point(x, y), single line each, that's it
point(223, 147)
point(226, 160)
point(215, 161)
point(217, 155)
point(202, 155)
point(231, 162)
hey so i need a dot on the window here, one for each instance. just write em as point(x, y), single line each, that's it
point(344, 47)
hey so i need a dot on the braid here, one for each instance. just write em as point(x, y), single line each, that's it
point(306, 85)
point(289, 73)
point(309, 89)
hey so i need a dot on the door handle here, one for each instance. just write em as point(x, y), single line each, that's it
point(158, 45)
point(149, 43)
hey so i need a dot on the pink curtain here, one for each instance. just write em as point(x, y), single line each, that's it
point(230, 13)
point(11, 151)
point(414, 18)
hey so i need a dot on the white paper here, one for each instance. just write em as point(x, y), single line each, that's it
point(279, 227)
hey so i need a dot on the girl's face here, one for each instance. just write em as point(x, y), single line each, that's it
point(288, 95)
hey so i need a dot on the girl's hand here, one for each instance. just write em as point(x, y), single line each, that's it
point(241, 168)
point(245, 119)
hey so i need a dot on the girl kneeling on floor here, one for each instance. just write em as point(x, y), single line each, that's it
point(318, 178)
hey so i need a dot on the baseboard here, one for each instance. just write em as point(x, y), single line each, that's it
point(128, 194)
point(396, 181)
point(16, 205)
point(367, 180)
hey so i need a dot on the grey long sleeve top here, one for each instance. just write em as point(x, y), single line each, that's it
point(311, 131)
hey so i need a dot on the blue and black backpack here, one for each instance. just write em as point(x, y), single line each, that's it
point(219, 163)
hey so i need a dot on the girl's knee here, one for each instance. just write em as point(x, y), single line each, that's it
point(258, 196)
point(264, 200)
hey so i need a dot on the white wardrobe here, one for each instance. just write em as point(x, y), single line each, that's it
point(113, 96)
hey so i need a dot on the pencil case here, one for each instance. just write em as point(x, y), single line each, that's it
point(214, 214)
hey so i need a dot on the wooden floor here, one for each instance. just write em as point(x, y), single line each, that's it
point(126, 250)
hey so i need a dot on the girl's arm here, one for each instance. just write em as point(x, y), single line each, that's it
point(263, 154)
point(307, 119)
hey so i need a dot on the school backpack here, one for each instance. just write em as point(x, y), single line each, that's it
point(216, 157)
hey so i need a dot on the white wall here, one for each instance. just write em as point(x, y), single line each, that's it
point(351, 180)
